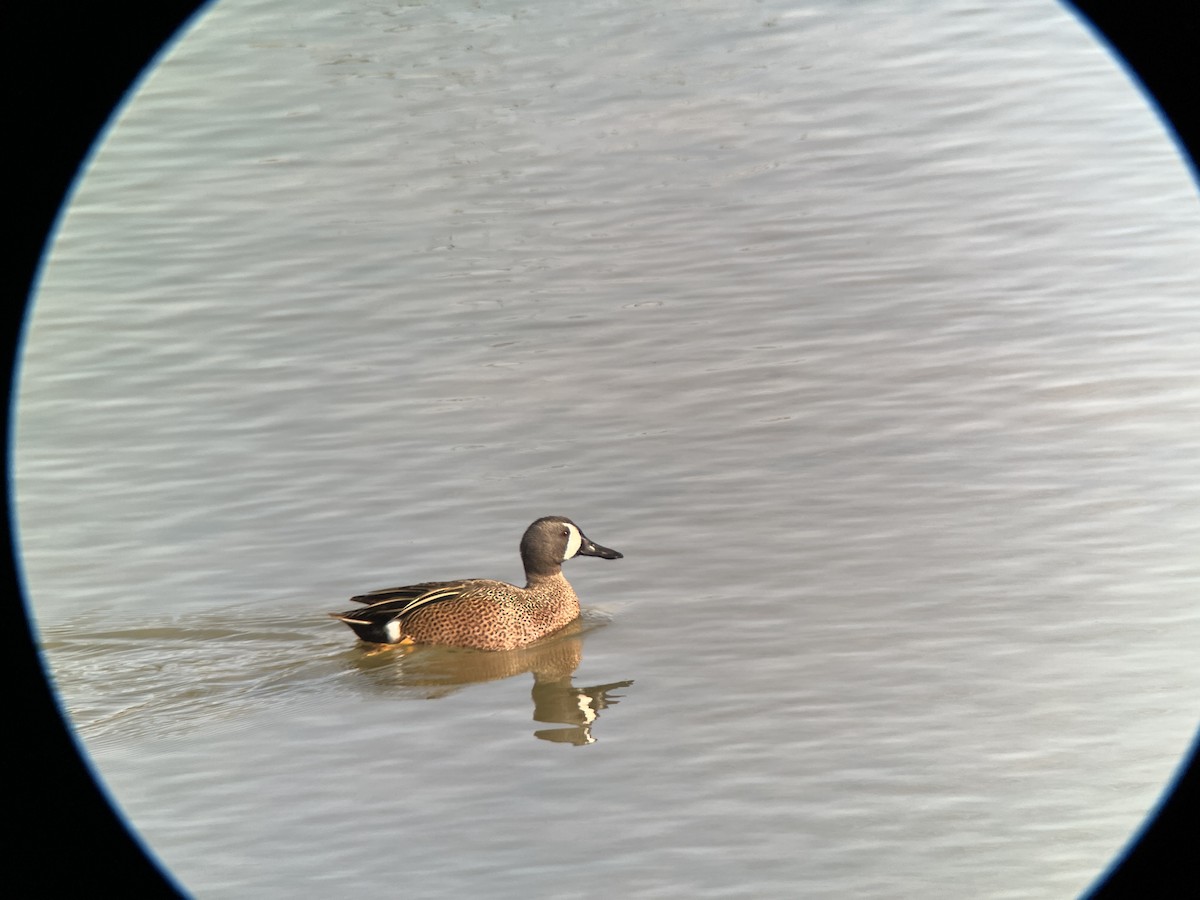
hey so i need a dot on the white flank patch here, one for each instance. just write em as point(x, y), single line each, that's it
point(574, 542)
point(392, 630)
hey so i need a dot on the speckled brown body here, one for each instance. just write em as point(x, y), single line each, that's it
point(493, 615)
point(483, 614)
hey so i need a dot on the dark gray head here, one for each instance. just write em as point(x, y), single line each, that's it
point(551, 540)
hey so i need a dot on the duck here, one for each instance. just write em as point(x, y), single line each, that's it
point(479, 613)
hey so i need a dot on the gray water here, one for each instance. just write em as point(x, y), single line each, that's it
point(866, 331)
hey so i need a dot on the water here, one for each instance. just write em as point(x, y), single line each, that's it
point(867, 334)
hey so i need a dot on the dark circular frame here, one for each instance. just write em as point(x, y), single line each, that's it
point(69, 69)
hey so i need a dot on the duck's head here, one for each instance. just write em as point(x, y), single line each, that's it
point(551, 540)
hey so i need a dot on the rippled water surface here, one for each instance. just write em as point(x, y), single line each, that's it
point(867, 332)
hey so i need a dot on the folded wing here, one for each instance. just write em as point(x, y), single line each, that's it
point(379, 619)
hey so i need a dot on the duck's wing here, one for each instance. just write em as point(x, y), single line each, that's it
point(432, 590)
point(376, 621)
point(402, 601)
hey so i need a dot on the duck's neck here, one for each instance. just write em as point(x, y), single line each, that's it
point(535, 577)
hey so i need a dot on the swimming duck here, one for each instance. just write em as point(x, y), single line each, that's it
point(480, 613)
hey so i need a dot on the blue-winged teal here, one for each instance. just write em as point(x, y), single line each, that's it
point(486, 615)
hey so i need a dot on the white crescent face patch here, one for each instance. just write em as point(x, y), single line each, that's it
point(574, 542)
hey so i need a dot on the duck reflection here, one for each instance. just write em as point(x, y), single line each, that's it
point(432, 671)
point(560, 702)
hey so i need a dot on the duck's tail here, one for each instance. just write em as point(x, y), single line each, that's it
point(373, 631)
